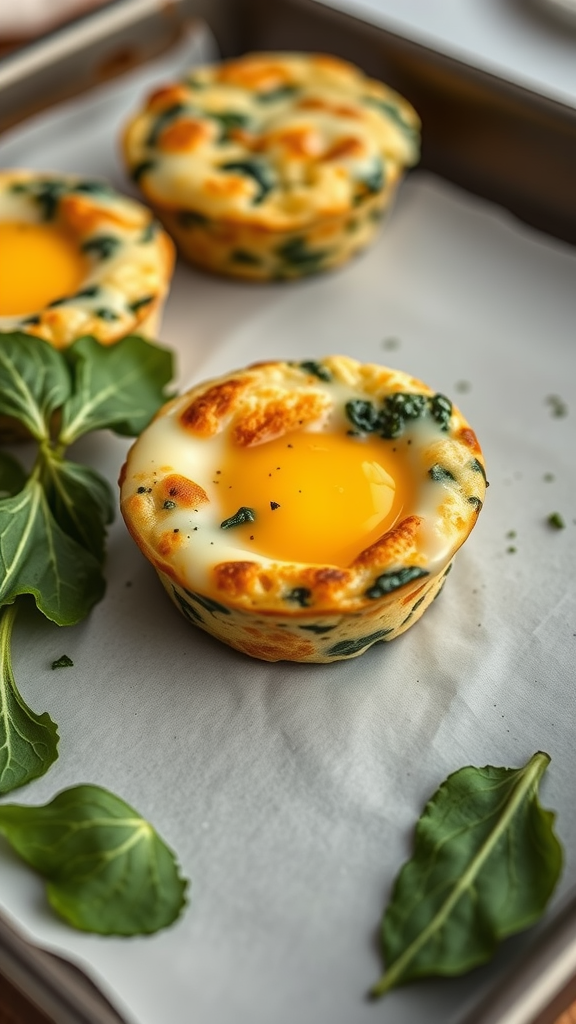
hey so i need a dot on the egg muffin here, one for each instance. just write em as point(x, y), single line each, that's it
point(272, 165)
point(78, 258)
point(304, 511)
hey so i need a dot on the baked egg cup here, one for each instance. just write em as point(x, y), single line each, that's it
point(272, 165)
point(304, 511)
point(77, 258)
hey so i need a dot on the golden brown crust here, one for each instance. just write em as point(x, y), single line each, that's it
point(398, 543)
point(177, 488)
point(278, 417)
point(205, 413)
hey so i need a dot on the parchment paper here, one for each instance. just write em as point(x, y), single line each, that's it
point(290, 792)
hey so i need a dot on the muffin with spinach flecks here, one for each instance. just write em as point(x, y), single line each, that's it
point(272, 165)
point(77, 258)
point(304, 511)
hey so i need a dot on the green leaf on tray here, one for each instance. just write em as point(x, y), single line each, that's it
point(81, 502)
point(12, 476)
point(37, 557)
point(485, 863)
point(28, 742)
point(107, 870)
point(119, 387)
point(34, 381)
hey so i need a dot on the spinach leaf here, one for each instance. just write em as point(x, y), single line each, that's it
point(81, 502)
point(119, 387)
point(107, 870)
point(37, 557)
point(296, 254)
point(28, 742)
point(12, 475)
point(34, 381)
point(102, 246)
point(485, 863)
point(164, 118)
point(259, 170)
point(392, 111)
point(53, 522)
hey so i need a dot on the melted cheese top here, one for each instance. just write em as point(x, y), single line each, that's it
point(277, 139)
point(38, 264)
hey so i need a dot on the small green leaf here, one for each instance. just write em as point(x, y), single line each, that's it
point(81, 501)
point(297, 255)
point(164, 118)
point(93, 188)
point(243, 515)
point(229, 120)
point(556, 521)
point(260, 171)
point(102, 246)
point(47, 193)
point(28, 742)
point(191, 219)
point(282, 92)
point(441, 409)
point(393, 580)
point(316, 369)
point(485, 863)
point(345, 648)
point(145, 300)
point(141, 169)
point(244, 256)
point(64, 661)
point(209, 604)
point(107, 870)
point(34, 381)
point(398, 409)
point(300, 595)
point(362, 414)
point(185, 607)
point(12, 475)
point(393, 113)
point(373, 179)
point(119, 387)
point(37, 557)
point(440, 474)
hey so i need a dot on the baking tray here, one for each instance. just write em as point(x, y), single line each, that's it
point(290, 792)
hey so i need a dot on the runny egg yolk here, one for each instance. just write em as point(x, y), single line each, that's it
point(317, 497)
point(38, 264)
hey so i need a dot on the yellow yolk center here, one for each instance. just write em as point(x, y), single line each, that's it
point(38, 263)
point(317, 497)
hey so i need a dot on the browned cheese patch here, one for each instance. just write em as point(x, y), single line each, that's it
point(167, 96)
point(84, 216)
point(235, 578)
point(393, 546)
point(279, 416)
point(180, 491)
point(467, 436)
point(205, 413)
point(254, 72)
point(185, 136)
